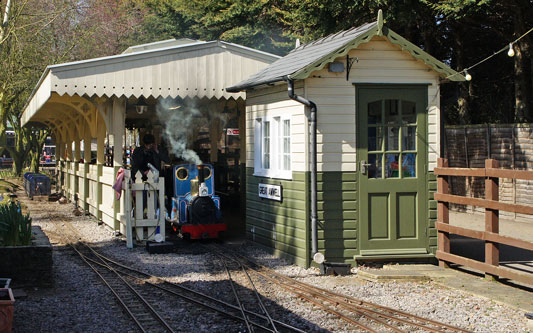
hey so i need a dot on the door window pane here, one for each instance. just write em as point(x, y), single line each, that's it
point(408, 165)
point(409, 138)
point(375, 138)
point(393, 134)
point(374, 112)
point(374, 169)
point(391, 165)
point(391, 111)
point(409, 112)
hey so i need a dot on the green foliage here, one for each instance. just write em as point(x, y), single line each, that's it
point(15, 227)
point(254, 23)
point(458, 32)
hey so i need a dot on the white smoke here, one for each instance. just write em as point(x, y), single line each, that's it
point(178, 120)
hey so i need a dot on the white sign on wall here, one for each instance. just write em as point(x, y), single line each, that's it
point(232, 131)
point(271, 192)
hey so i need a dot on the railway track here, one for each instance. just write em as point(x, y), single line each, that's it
point(137, 306)
point(245, 296)
point(358, 313)
point(131, 287)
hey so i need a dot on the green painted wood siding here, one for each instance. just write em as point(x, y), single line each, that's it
point(281, 227)
point(337, 215)
point(432, 212)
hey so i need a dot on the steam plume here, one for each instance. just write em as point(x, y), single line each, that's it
point(177, 121)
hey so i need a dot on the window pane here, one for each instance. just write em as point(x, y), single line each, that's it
point(409, 138)
point(391, 111)
point(409, 112)
point(391, 165)
point(286, 149)
point(375, 138)
point(393, 138)
point(374, 112)
point(408, 165)
point(374, 169)
point(266, 145)
point(287, 162)
point(286, 127)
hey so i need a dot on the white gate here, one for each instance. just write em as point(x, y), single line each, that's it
point(147, 216)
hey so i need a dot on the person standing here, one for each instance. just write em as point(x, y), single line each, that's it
point(149, 152)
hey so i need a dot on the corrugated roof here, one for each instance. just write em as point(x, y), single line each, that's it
point(305, 59)
point(197, 70)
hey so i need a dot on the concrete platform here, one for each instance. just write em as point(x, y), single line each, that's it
point(519, 297)
point(382, 275)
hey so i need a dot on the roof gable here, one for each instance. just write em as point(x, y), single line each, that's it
point(308, 58)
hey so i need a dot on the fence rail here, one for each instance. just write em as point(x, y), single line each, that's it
point(492, 206)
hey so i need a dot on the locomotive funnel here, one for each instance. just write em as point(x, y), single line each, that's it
point(200, 174)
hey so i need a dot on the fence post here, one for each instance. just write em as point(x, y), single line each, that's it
point(492, 251)
point(443, 211)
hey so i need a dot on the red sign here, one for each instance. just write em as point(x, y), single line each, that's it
point(232, 131)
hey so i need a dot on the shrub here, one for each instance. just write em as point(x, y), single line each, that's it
point(15, 227)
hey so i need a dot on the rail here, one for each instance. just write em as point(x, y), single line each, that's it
point(362, 315)
point(492, 206)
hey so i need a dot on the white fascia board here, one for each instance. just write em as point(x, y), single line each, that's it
point(38, 97)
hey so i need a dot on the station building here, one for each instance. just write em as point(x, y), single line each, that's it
point(342, 135)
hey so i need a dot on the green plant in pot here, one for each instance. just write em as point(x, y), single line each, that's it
point(15, 227)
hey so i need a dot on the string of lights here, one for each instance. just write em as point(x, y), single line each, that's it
point(510, 53)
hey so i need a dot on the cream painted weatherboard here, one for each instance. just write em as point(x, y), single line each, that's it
point(274, 102)
point(379, 61)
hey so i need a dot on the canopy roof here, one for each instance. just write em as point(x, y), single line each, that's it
point(173, 68)
point(305, 59)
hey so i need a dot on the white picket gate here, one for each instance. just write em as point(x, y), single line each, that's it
point(146, 217)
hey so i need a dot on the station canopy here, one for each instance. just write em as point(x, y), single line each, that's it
point(182, 68)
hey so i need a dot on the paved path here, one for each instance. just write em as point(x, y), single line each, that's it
point(520, 298)
point(511, 257)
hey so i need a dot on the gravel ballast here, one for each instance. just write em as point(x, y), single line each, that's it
point(78, 302)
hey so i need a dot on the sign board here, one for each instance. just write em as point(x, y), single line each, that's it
point(271, 192)
point(232, 131)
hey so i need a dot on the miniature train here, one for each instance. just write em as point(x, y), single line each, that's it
point(194, 207)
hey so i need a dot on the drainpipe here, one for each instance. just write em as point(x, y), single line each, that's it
point(317, 257)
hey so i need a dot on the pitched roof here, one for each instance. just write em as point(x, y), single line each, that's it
point(164, 69)
point(305, 59)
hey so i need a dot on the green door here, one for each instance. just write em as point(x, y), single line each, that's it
point(392, 155)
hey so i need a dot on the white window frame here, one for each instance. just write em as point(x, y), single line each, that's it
point(276, 147)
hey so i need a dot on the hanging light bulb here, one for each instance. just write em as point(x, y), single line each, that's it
point(468, 77)
point(510, 53)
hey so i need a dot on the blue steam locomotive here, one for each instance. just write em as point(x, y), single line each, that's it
point(195, 209)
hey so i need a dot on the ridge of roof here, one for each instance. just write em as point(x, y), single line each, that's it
point(304, 55)
point(160, 44)
point(307, 58)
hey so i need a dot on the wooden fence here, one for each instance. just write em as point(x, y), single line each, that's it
point(491, 174)
point(468, 146)
point(148, 218)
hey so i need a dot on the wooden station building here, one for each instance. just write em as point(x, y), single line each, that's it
point(342, 135)
point(95, 101)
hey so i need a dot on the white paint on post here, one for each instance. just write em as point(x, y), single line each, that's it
point(119, 114)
